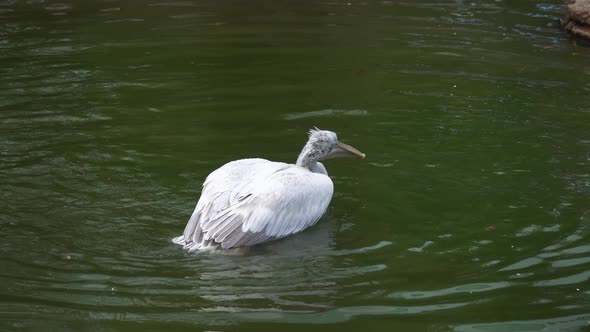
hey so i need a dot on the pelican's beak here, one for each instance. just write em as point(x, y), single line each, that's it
point(342, 150)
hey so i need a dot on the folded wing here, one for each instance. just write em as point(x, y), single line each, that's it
point(251, 201)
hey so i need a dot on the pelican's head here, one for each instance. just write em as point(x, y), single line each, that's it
point(324, 144)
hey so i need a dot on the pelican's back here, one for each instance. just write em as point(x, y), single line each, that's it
point(250, 201)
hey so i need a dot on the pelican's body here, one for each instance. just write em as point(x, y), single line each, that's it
point(250, 201)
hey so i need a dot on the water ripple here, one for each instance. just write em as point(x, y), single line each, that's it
point(474, 115)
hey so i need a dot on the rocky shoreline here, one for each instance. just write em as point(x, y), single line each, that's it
point(577, 19)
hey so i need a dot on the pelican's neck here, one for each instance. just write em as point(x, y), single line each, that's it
point(308, 158)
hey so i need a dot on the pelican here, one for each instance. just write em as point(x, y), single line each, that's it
point(251, 201)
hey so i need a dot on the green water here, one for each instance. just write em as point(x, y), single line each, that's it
point(471, 211)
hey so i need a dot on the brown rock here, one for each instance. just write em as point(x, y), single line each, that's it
point(580, 30)
point(577, 20)
point(579, 10)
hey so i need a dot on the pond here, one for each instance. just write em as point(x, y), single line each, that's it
point(471, 211)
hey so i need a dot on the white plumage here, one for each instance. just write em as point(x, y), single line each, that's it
point(250, 201)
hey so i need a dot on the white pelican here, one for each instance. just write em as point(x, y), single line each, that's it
point(250, 201)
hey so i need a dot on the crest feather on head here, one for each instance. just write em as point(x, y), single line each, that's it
point(314, 130)
point(319, 136)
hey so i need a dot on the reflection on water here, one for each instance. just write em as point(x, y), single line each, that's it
point(568, 323)
point(327, 112)
point(469, 214)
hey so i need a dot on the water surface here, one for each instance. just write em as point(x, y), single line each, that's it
point(470, 213)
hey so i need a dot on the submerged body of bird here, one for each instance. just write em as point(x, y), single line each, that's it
point(251, 201)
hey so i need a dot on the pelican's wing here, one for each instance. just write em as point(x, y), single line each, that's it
point(256, 200)
point(215, 197)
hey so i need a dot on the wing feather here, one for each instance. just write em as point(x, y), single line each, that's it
point(250, 201)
